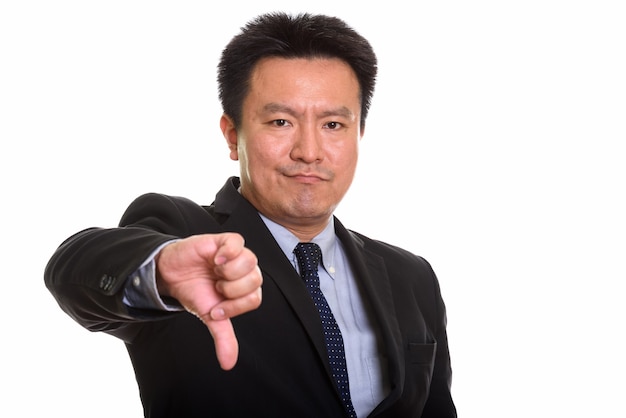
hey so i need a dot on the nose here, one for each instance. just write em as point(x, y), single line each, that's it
point(307, 145)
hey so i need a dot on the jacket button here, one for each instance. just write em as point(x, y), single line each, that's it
point(107, 282)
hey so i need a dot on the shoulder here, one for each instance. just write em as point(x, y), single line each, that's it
point(405, 270)
point(392, 254)
point(152, 200)
point(167, 213)
point(410, 276)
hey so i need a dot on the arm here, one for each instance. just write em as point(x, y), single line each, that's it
point(86, 275)
point(212, 275)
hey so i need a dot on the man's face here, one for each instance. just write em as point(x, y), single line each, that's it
point(298, 141)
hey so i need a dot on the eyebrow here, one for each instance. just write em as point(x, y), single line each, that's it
point(341, 111)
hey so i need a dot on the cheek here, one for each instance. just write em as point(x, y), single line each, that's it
point(262, 155)
point(272, 150)
point(346, 155)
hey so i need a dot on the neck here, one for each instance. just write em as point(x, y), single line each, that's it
point(304, 231)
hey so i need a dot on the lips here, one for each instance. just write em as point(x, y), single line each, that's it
point(308, 175)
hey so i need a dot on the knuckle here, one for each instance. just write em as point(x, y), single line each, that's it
point(257, 297)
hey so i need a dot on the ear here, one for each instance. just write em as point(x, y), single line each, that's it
point(230, 134)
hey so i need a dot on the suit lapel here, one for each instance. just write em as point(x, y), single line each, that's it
point(371, 275)
point(276, 267)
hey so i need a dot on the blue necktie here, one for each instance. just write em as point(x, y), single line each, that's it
point(309, 255)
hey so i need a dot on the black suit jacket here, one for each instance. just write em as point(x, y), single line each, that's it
point(282, 370)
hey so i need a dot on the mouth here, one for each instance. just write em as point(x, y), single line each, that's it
point(307, 176)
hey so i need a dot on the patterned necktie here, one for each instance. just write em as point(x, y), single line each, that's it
point(309, 255)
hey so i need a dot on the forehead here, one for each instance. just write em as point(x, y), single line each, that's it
point(290, 69)
point(304, 78)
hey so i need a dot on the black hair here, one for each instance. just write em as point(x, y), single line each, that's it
point(282, 35)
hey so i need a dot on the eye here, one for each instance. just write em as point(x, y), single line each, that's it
point(333, 125)
point(280, 122)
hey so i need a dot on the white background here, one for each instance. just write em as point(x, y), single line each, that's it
point(497, 130)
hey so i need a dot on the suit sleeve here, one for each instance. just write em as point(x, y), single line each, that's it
point(87, 272)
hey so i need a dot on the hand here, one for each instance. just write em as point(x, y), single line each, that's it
point(215, 278)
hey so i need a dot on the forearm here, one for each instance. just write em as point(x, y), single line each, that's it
point(87, 274)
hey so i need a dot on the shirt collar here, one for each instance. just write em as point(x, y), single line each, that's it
point(288, 241)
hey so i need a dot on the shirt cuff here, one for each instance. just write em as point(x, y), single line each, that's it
point(140, 290)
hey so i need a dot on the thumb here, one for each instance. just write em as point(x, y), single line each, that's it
point(226, 344)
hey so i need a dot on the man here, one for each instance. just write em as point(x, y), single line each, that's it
point(295, 91)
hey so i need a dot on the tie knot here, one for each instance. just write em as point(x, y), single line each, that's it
point(308, 255)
